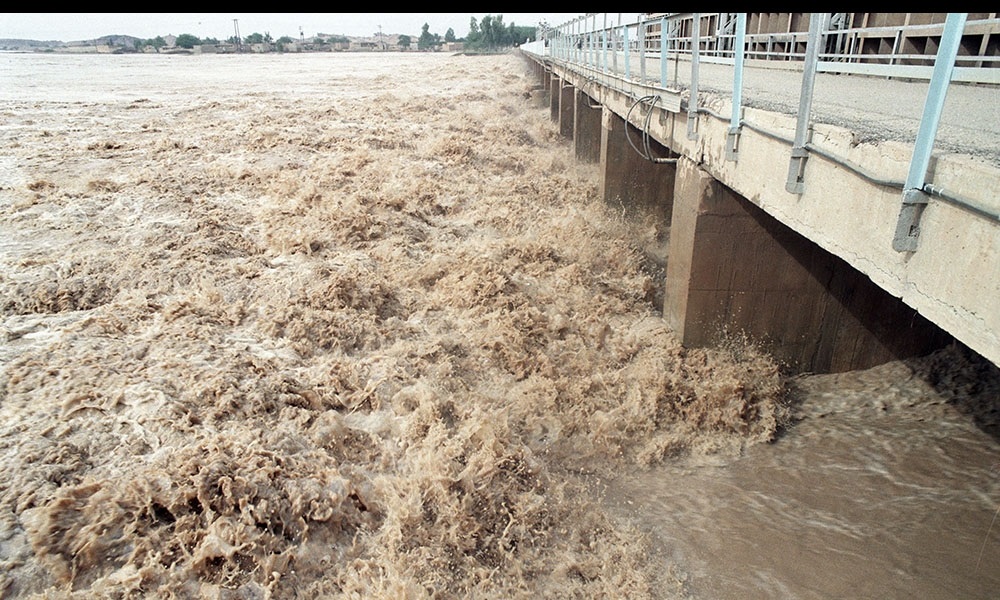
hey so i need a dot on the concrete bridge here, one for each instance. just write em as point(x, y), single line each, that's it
point(837, 218)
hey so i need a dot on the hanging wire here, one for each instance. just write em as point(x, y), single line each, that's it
point(647, 151)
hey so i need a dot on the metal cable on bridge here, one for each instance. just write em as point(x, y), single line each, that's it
point(647, 153)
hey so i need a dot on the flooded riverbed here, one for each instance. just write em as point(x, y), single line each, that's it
point(885, 487)
point(359, 326)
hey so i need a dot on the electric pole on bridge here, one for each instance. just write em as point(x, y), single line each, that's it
point(239, 42)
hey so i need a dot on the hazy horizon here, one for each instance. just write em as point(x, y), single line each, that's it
point(68, 27)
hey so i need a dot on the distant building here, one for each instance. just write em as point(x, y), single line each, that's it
point(364, 45)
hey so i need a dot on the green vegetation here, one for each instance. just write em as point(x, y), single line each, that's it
point(157, 42)
point(257, 38)
point(492, 34)
point(427, 40)
point(405, 41)
point(186, 40)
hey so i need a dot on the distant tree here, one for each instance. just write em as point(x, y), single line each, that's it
point(157, 42)
point(485, 32)
point(186, 40)
point(405, 41)
point(520, 34)
point(490, 33)
point(210, 40)
point(254, 38)
point(267, 38)
point(232, 40)
point(426, 39)
point(285, 40)
point(449, 36)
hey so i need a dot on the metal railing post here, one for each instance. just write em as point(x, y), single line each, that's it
point(604, 50)
point(625, 48)
point(914, 198)
point(692, 112)
point(604, 42)
point(797, 164)
point(614, 50)
point(572, 42)
point(733, 136)
point(642, 51)
point(576, 40)
point(591, 58)
point(663, 52)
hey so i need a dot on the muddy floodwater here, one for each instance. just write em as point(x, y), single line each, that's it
point(359, 326)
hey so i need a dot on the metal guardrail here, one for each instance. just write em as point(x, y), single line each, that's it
point(605, 54)
point(672, 36)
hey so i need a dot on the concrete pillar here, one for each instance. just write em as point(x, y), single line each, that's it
point(628, 180)
point(586, 128)
point(733, 268)
point(566, 110)
point(555, 84)
point(540, 91)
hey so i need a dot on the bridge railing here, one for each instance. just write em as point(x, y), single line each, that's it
point(623, 57)
point(905, 51)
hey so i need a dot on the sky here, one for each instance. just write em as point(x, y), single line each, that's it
point(85, 26)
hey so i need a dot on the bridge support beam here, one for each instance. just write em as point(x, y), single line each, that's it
point(586, 128)
point(733, 269)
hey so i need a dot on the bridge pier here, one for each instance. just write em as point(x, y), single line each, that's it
point(566, 109)
point(586, 128)
point(628, 180)
point(732, 268)
point(555, 84)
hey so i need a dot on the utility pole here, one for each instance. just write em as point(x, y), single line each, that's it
point(380, 46)
point(239, 42)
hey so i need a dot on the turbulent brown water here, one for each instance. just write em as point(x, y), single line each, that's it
point(359, 326)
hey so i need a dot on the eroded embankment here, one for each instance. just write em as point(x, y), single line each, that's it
point(348, 345)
